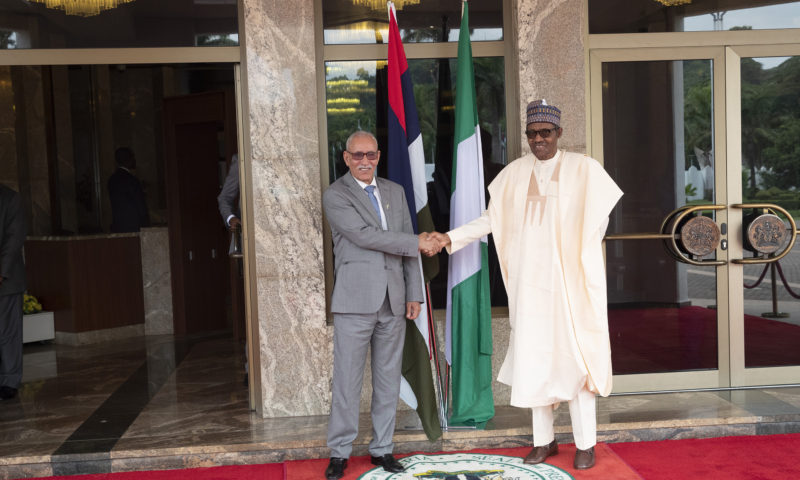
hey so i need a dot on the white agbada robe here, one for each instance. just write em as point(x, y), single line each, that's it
point(550, 251)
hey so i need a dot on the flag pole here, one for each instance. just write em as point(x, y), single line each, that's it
point(434, 348)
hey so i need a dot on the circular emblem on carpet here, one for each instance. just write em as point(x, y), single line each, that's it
point(468, 466)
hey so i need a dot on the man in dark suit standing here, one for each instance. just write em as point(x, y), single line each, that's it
point(377, 282)
point(12, 287)
point(228, 198)
point(128, 205)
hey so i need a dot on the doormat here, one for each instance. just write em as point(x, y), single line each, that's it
point(474, 466)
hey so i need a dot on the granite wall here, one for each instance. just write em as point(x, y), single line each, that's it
point(157, 281)
point(551, 41)
point(279, 76)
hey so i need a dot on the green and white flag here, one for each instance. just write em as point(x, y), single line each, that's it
point(469, 327)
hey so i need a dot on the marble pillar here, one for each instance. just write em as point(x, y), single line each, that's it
point(283, 166)
point(550, 37)
point(156, 281)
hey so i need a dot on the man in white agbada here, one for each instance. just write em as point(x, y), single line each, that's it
point(548, 214)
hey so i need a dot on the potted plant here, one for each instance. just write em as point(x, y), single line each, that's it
point(37, 325)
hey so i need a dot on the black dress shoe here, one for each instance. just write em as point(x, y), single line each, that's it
point(7, 393)
point(540, 454)
point(335, 469)
point(584, 458)
point(389, 463)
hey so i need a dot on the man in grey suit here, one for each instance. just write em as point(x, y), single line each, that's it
point(377, 282)
point(12, 287)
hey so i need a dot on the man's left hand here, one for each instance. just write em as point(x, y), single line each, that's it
point(412, 310)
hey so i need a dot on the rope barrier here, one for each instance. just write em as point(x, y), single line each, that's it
point(760, 279)
point(785, 283)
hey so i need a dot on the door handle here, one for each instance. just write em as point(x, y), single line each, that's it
point(236, 238)
point(703, 235)
point(767, 234)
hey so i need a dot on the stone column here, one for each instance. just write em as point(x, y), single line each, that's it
point(282, 172)
point(551, 47)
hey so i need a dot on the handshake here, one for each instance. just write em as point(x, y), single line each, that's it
point(431, 243)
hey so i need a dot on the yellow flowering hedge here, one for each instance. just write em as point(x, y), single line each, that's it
point(30, 305)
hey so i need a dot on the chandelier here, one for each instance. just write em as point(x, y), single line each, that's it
point(83, 8)
point(673, 3)
point(381, 4)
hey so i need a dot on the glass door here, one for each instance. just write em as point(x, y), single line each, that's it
point(703, 279)
point(764, 129)
point(657, 127)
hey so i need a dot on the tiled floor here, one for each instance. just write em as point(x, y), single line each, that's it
point(162, 402)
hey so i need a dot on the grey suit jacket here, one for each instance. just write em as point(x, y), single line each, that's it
point(228, 198)
point(367, 259)
point(12, 239)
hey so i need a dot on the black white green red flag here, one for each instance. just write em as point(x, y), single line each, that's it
point(406, 166)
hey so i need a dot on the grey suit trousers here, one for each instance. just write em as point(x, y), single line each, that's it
point(10, 340)
point(353, 334)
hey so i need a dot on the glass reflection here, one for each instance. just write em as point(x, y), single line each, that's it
point(366, 21)
point(142, 23)
point(356, 97)
point(657, 124)
point(641, 16)
point(771, 174)
point(61, 153)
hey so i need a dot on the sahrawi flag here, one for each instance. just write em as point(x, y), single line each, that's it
point(469, 328)
point(406, 166)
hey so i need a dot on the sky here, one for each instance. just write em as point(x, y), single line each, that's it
point(786, 15)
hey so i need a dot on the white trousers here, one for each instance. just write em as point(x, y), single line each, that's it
point(584, 421)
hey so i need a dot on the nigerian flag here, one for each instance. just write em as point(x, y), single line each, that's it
point(469, 327)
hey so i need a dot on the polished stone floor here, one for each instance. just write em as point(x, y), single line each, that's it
point(166, 402)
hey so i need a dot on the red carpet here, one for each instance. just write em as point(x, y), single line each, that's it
point(608, 467)
point(766, 457)
point(668, 339)
point(760, 457)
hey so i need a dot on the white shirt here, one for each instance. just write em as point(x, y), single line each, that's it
point(377, 194)
point(543, 169)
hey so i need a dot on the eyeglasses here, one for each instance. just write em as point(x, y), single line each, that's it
point(358, 156)
point(544, 133)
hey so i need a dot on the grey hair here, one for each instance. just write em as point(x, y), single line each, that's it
point(359, 133)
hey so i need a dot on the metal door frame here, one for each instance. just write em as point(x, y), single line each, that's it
point(741, 376)
point(725, 49)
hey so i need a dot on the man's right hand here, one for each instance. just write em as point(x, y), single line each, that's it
point(235, 224)
point(428, 245)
